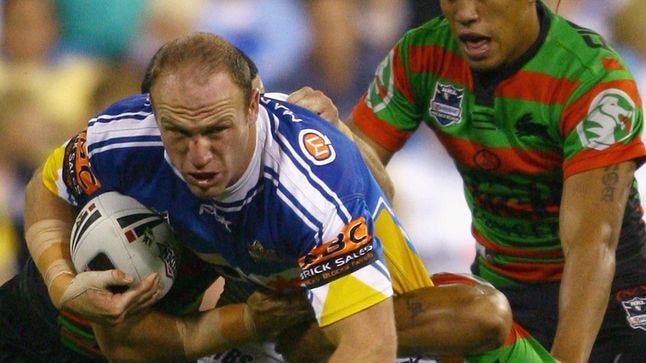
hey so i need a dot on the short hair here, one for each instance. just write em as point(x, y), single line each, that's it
point(209, 53)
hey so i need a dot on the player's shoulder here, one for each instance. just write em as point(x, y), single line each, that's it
point(307, 146)
point(133, 108)
point(127, 122)
point(585, 49)
point(304, 133)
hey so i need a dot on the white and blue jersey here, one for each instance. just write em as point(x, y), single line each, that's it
point(306, 213)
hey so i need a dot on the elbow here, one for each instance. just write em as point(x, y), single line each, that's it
point(493, 316)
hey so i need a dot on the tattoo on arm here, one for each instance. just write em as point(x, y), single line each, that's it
point(414, 308)
point(610, 180)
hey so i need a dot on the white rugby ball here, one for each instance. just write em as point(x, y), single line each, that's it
point(116, 231)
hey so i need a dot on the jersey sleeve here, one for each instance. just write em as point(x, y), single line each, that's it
point(603, 122)
point(347, 273)
point(388, 112)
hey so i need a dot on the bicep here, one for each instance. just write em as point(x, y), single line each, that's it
point(593, 203)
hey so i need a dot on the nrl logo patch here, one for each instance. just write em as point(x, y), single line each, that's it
point(446, 104)
point(636, 312)
point(610, 120)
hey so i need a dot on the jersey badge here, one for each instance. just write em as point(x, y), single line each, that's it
point(610, 120)
point(316, 146)
point(446, 104)
point(259, 253)
point(636, 312)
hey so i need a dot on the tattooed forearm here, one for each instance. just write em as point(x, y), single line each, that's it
point(610, 180)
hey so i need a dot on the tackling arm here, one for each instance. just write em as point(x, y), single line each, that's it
point(159, 337)
point(592, 209)
point(458, 316)
point(155, 336)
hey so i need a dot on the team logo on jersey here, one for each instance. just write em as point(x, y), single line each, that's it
point(486, 160)
point(610, 120)
point(446, 104)
point(316, 146)
point(636, 312)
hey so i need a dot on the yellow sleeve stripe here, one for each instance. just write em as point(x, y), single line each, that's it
point(350, 292)
point(406, 268)
point(52, 169)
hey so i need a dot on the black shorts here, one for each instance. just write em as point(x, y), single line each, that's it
point(29, 331)
point(622, 337)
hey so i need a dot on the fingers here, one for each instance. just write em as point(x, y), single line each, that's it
point(142, 295)
point(120, 278)
point(299, 95)
point(91, 298)
point(316, 101)
point(271, 310)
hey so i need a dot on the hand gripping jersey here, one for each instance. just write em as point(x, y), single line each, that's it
point(306, 213)
point(568, 105)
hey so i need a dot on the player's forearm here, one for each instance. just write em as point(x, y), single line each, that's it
point(375, 160)
point(377, 168)
point(159, 337)
point(453, 319)
point(590, 220)
point(153, 337)
point(585, 287)
point(48, 222)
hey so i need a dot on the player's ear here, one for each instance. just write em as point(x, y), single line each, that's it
point(256, 82)
point(252, 111)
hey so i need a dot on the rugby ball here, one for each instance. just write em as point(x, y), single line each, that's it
point(116, 231)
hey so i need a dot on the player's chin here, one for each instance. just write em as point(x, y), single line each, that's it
point(205, 191)
point(487, 61)
point(483, 64)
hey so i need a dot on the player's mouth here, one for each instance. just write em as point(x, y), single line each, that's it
point(475, 46)
point(201, 180)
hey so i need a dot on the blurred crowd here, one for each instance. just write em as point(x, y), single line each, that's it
point(62, 61)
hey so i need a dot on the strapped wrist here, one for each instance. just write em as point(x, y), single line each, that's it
point(48, 243)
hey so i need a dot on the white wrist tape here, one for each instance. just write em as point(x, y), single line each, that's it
point(48, 243)
point(56, 269)
point(45, 234)
point(85, 281)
